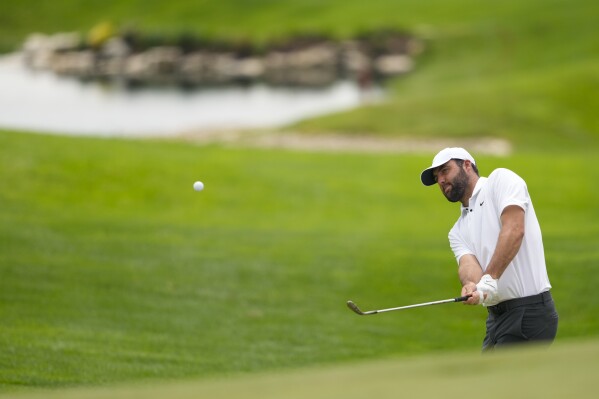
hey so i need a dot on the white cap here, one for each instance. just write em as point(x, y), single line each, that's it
point(442, 157)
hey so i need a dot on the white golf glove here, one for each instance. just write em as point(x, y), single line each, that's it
point(487, 285)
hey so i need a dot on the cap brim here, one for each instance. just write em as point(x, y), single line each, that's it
point(427, 177)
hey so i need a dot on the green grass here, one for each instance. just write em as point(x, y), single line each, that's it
point(556, 106)
point(564, 371)
point(525, 75)
point(114, 269)
point(261, 20)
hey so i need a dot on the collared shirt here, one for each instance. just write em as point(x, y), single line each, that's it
point(477, 230)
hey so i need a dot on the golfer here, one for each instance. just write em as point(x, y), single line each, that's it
point(499, 249)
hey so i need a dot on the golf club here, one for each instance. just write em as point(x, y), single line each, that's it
point(356, 309)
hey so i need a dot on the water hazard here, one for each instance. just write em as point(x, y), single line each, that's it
point(44, 102)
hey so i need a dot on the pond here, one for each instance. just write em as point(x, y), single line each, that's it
point(44, 102)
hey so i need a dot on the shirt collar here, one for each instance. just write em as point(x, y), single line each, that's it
point(479, 185)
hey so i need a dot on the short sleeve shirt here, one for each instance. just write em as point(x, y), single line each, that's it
point(477, 230)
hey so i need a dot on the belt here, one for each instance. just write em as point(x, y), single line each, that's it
point(510, 304)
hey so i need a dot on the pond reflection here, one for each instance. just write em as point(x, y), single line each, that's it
point(41, 101)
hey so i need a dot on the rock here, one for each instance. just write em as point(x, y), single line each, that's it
point(390, 65)
point(313, 66)
point(355, 60)
point(156, 64)
point(116, 48)
point(74, 63)
point(250, 68)
point(39, 49)
point(201, 67)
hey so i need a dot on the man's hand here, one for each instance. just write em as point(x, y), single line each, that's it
point(487, 291)
point(470, 289)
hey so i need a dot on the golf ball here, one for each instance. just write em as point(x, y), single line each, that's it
point(198, 186)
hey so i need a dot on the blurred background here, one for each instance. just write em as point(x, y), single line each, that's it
point(133, 67)
point(309, 123)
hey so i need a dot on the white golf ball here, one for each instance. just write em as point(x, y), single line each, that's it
point(198, 186)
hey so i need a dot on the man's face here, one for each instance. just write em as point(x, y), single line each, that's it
point(452, 179)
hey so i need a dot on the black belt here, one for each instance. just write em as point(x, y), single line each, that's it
point(510, 304)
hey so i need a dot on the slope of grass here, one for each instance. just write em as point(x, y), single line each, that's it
point(114, 269)
point(526, 75)
point(556, 107)
point(564, 371)
point(263, 20)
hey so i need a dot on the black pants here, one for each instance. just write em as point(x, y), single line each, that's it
point(528, 319)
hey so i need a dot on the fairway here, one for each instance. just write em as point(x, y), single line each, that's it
point(564, 371)
point(115, 269)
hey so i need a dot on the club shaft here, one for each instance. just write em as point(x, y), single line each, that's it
point(357, 310)
point(417, 305)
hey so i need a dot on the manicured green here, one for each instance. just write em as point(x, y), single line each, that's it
point(114, 269)
point(567, 370)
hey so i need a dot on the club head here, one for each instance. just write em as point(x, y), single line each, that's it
point(357, 310)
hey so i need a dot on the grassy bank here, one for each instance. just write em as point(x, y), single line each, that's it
point(527, 72)
point(114, 269)
point(265, 20)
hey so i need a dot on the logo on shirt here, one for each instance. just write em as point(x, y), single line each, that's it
point(481, 204)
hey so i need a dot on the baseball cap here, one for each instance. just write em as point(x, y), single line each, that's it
point(442, 157)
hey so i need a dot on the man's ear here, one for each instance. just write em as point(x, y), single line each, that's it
point(467, 163)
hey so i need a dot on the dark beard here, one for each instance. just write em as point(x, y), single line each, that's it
point(458, 187)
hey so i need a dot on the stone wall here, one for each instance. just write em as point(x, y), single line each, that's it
point(314, 62)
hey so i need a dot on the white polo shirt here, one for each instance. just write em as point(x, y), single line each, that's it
point(477, 230)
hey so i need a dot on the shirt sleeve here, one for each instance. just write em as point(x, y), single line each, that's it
point(458, 244)
point(508, 189)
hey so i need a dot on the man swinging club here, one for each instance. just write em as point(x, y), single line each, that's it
point(499, 249)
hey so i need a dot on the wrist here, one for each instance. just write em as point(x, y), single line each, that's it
point(491, 271)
